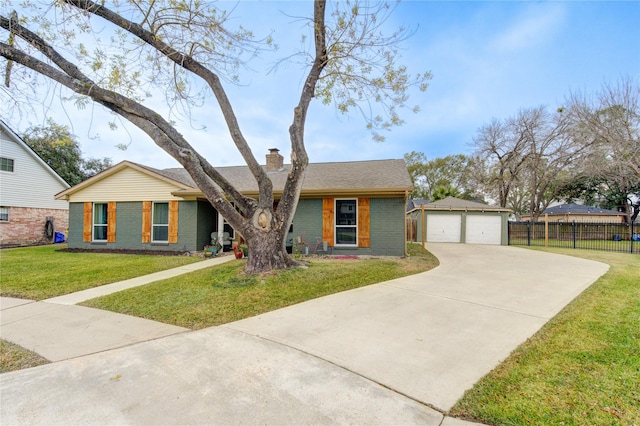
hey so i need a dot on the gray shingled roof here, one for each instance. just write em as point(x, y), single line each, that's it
point(453, 203)
point(415, 203)
point(578, 209)
point(353, 175)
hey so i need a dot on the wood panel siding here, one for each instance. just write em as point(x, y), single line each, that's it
point(87, 224)
point(111, 222)
point(146, 222)
point(364, 222)
point(173, 222)
point(328, 221)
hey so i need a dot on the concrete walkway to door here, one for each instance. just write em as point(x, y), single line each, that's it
point(398, 352)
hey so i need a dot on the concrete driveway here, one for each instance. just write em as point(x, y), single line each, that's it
point(431, 336)
point(403, 351)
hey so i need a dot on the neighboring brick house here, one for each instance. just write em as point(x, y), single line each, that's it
point(29, 212)
point(356, 207)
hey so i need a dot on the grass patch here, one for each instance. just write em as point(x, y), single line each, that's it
point(14, 357)
point(581, 368)
point(223, 293)
point(42, 272)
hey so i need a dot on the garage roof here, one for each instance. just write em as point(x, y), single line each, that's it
point(457, 204)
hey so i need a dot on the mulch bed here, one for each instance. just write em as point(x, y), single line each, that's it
point(125, 251)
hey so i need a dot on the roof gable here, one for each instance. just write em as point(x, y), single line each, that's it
point(29, 151)
point(126, 181)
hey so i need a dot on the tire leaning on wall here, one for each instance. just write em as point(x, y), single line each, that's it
point(49, 229)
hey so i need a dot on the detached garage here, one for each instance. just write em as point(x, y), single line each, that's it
point(453, 220)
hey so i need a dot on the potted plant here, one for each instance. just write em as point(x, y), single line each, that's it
point(237, 252)
point(245, 250)
point(210, 251)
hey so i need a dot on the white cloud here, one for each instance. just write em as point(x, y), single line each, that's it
point(535, 26)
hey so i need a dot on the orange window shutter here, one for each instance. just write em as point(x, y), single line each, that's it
point(173, 222)
point(146, 221)
point(328, 220)
point(111, 222)
point(87, 222)
point(364, 222)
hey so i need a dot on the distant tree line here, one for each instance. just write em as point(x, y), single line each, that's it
point(55, 144)
point(588, 149)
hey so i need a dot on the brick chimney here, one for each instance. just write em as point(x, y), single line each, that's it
point(275, 161)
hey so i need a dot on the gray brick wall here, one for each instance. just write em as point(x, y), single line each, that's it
point(387, 226)
point(197, 219)
point(74, 238)
point(129, 228)
point(307, 221)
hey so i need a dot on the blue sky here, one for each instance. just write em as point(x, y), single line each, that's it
point(488, 60)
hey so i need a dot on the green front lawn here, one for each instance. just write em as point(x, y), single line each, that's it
point(582, 368)
point(224, 293)
point(42, 272)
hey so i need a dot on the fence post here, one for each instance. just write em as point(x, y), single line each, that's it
point(546, 230)
point(632, 235)
point(573, 224)
point(528, 232)
point(423, 229)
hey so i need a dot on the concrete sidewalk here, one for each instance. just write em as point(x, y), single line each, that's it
point(382, 354)
point(92, 293)
point(58, 330)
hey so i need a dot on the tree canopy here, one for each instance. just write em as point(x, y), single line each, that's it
point(588, 149)
point(439, 178)
point(55, 144)
point(115, 54)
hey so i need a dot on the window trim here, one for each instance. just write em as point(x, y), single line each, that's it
point(104, 225)
point(7, 159)
point(154, 224)
point(4, 209)
point(336, 226)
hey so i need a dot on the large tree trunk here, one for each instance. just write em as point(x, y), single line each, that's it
point(265, 233)
point(267, 252)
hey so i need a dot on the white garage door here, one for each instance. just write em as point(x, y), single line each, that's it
point(484, 229)
point(443, 228)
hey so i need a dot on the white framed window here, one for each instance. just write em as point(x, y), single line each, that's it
point(6, 164)
point(4, 214)
point(346, 226)
point(100, 221)
point(160, 223)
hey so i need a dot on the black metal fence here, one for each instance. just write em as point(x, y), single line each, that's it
point(621, 237)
